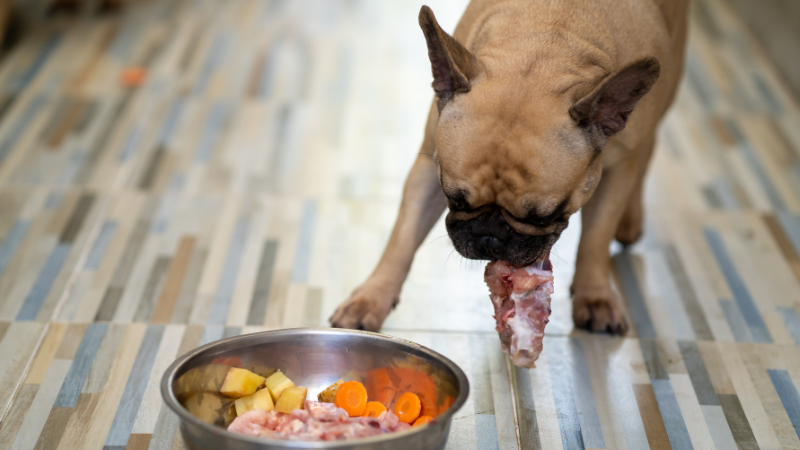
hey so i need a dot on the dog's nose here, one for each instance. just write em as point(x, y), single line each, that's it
point(491, 246)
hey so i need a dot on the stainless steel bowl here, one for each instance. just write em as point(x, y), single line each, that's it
point(315, 358)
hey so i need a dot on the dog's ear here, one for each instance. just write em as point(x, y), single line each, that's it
point(453, 65)
point(608, 106)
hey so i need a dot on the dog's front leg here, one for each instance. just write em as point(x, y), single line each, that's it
point(423, 203)
point(595, 305)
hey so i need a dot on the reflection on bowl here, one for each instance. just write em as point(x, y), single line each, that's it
point(314, 358)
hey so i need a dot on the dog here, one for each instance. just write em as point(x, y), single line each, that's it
point(533, 119)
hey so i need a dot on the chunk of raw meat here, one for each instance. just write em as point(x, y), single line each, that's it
point(317, 422)
point(521, 299)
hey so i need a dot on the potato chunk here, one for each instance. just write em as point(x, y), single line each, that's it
point(276, 383)
point(260, 400)
point(329, 394)
point(211, 408)
point(200, 379)
point(291, 398)
point(240, 383)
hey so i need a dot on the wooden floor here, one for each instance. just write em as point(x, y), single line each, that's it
point(252, 182)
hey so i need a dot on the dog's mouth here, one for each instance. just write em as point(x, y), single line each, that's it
point(490, 238)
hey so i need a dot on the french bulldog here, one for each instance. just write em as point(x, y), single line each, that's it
point(541, 108)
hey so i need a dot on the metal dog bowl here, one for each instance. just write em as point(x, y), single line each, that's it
point(315, 358)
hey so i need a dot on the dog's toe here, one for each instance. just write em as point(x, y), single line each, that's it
point(365, 310)
point(599, 311)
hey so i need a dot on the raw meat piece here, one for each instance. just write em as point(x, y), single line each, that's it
point(521, 299)
point(326, 412)
point(317, 422)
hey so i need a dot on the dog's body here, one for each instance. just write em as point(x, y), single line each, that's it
point(528, 92)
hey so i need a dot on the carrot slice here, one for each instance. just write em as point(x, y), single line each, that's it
point(408, 407)
point(374, 409)
point(422, 420)
point(352, 397)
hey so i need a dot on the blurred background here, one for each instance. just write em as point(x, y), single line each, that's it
point(175, 172)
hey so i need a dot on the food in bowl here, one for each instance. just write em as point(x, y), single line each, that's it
point(521, 299)
point(273, 407)
point(316, 422)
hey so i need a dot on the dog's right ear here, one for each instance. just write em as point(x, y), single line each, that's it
point(606, 109)
point(453, 66)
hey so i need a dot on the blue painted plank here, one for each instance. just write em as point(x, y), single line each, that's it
point(480, 377)
point(33, 70)
point(217, 120)
point(724, 192)
point(132, 396)
point(131, 142)
point(633, 293)
point(212, 333)
point(124, 39)
point(719, 428)
point(558, 359)
point(20, 126)
point(216, 55)
point(788, 394)
point(697, 76)
point(47, 276)
point(588, 417)
point(701, 382)
point(167, 207)
point(486, 432)
point(340, 84)
point(227, 281)
point(81, 364)
point(791, 224)
point(173, 117)
point(792, 321)
point(231, 332)
point(671, 414)
point(304, 243)
point(739, 328)
point(754, 163)
point(258, 303)
point(100, 245)
point(53, 200)
point(12, 241)
point(270, 68)
point(765, 92)
point(166, 427)
point(740, 293)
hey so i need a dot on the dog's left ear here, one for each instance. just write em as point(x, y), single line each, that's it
point(608, 106)
point(453, 66)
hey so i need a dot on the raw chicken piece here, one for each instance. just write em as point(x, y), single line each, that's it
point(521, 298)
point(326, 412)
point(317, 422)
point(255, 421)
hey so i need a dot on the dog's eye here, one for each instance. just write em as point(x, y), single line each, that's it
point(457, 204)
point(457, 201)
point(541, 222)
point(545, 221)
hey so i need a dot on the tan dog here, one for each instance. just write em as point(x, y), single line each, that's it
point(533, 108)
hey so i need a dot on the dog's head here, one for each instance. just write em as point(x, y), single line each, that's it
point(516, 159)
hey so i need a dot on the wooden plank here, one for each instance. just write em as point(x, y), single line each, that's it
point(46, 353)
point(651, 417)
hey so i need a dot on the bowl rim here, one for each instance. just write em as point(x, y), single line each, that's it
point(172, 402)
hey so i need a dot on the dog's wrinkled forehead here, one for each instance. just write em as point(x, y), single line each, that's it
point(518, 157)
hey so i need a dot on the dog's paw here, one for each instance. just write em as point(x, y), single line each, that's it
point(366, 309)
point(599, 310)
